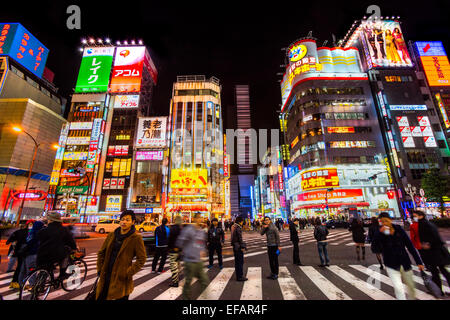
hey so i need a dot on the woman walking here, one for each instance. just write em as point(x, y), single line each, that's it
point(359, 237)
point(115, 260)
point(374, 227)
point(30, 251)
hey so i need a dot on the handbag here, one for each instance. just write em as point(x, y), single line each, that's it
point(430, 285)
point(93, 291)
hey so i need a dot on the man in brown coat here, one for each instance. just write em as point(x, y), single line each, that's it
point(114, 260)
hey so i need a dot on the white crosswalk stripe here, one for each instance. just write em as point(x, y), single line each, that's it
point(142, 288)
point(329, 289)
point(288, 286)
point(217, 285)
point(253, 286)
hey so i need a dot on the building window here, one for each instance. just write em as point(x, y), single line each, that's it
point(441, 144)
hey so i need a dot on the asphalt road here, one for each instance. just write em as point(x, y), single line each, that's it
point(346, 278)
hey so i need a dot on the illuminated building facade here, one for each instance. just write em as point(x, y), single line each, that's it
point(336, 159)
point(196, 155)
point(30, 100)
point(409, 122)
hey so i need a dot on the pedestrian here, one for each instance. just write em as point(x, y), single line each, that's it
point(20, 238)
point(192, 241)
point(432, 249)
point(115, 260)
point(174, 251)
point(216, 238)
point(162, 239)
point(294, 229)
point(374, 226)
point(392, 240)
point(273, 246)
point(359, 237)
point(320, 234)
point(238, 246)
point(30, 251)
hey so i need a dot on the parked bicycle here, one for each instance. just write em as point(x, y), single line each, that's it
point(38, 283)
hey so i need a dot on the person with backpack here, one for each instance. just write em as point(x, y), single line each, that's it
point(174, 251)
point(359, 237)
point(162, 239)
point(432, 249)
point(216, 238)
point(393, 242)
point(320, 234)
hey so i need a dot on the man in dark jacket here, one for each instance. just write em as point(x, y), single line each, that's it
point(293, 229)
point(162, 239)
point(392, 241)
point(433, 252)
point(214, 242)
point(320, 234)
point(53, 243)
point(20, 238)
point(273, 246)
point(174, 251)
point(238, 246)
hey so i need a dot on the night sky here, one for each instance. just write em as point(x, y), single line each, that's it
point(235, 42)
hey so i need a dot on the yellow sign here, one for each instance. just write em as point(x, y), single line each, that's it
point(297, 52)
point(294, 142)
point(437, 70)
point(189, 178)
point(113, 203)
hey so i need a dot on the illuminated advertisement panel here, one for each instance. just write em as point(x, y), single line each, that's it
point(149, 155)
point(408, 142)
point(443, 110)
point(341, 129)
point(435, 62)
point(151, 132)
point(424, 121)
point(80, 125)
point(19, 44)
point(355, 195)
point(404, 107)
point(94, 150)
point(127, 70)
point(430, 142)
point(352, 144)
point(185, 178)
point(126, 101)
point(402, 121)
point(113, 203)
point(415, 131)
point(405, 131)
point(78, 140)
point(95, 69)
point(319, 178)
point(385, 44)
point(75, 156)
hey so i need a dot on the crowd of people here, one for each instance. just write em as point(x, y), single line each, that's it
point(123, 253)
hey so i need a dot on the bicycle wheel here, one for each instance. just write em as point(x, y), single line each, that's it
point(36, 286)
point(76, 274)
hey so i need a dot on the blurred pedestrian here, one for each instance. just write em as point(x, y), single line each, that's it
point(115, 260)
point(192, 240)
point(30, 251)
point(294, 229)
point(374, 226)
point(174, 251)
point(20, 238)
point(273, 246)
point(216, 238)
point(393, 242)
point(238, 246)
point(162, 239)
point(320, 234)
point(432, 249)
point(359, 237)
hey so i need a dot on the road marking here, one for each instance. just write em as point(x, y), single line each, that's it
point(5, 275)
point(288, 286)
point(353, 244)
point(420, 280)
point(363, 286)
point(386, 280)
point(173, 293)
point(328, 289)
point(253, 286)
point(217, 285)
point(143, 287)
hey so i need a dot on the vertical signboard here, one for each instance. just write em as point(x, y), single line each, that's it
point(151, 132)
point(442, 108)
point(127, 70)
point(95, 69)
point(435, 62)
point(94, 146)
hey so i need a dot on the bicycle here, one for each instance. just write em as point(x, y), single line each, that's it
point(39, 282)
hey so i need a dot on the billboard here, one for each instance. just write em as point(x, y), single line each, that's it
point(126, 101)
point(443, 108)
point(19, 44)
point(127, 70)
point(319, 178)
point(149, 155)
point(355, 195)
point(435, 62)
point(113, 203)
point(151, 132)
point(189, 178)
point(384, 44)
point(95, 69)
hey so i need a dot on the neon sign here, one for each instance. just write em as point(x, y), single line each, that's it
point(297, 52)
point(37, 195)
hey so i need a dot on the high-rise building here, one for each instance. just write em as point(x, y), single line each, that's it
point(29, 100)
point(337, 156)
point(196, 148)
point(409, 122)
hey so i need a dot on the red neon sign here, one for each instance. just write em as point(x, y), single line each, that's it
point(37, 195)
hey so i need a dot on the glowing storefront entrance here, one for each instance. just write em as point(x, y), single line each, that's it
point(187, 210)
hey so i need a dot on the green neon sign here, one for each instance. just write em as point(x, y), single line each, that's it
point(95, 70)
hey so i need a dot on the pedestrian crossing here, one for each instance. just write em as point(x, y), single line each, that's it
point(336, 282)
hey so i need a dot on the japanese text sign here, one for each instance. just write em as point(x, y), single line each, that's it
point(127, 70)
point(151, 132)
point(95, 69)
point(319, 178)
point(186, 178)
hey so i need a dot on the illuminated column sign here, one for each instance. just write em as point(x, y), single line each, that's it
point(94, 145)
point(394, 150)
point(442, 109)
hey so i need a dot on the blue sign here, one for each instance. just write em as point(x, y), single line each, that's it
point(19, 44)
point(148, 210)
point(407, 107)
point(430, 48)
